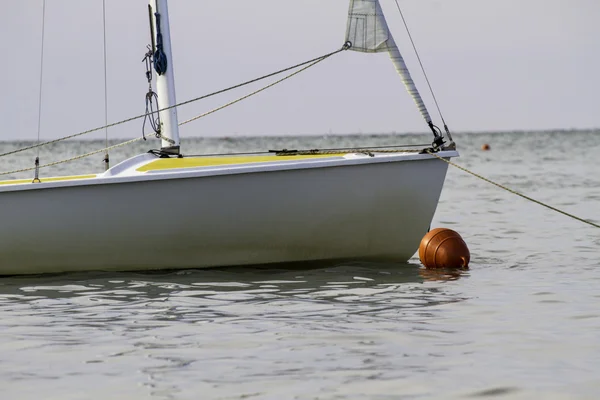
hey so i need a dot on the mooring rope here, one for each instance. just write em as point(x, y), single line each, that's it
point(514, 191)
point(368, 151)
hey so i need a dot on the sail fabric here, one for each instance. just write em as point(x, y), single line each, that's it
point(411, 88)
point(368, 32)
point(367, 28)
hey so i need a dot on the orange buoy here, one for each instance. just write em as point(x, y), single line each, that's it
point(485, 147)
point(444, 248)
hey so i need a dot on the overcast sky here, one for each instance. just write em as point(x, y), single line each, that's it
point(494, 65)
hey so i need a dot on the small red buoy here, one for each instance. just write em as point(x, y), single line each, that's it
point(444, 248)
point(485, 147)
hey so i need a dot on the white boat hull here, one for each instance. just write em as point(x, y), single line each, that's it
point(368, 208)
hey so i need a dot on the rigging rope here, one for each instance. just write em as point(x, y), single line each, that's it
point(37, 167)
point(41, 71)
point(514, 191)
point(106, 159)
point(423, 69)
point(284, 152)
point(37, 158)
point(256, 91)
point(151, 98)
point(345, 47)
point(374, 149)
point(367, 150)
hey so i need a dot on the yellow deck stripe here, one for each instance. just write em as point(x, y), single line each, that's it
point(174, 163)
point(54, 179)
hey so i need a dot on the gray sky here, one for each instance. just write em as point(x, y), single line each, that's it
point(494, 65)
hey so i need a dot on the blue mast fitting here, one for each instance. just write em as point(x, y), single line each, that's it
point(160, 58)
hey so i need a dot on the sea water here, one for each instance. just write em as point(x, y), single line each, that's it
point(522, 323)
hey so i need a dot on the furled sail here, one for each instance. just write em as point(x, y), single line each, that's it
point(369, 33)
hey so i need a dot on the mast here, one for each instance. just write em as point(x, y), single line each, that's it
point(165, 81)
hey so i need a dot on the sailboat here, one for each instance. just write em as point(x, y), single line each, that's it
point(234, 210)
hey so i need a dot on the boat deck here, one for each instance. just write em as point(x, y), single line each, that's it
point(152, 164)
point(51, 179)
point(148, 167)
point(162, 164)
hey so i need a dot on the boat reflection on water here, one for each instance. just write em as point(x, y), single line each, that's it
point(445, 274)
point(227, 327)
point(193, 290)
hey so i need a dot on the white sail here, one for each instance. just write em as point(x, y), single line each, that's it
point(369, 33)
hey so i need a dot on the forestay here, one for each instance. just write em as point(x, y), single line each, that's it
point(369, 33)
